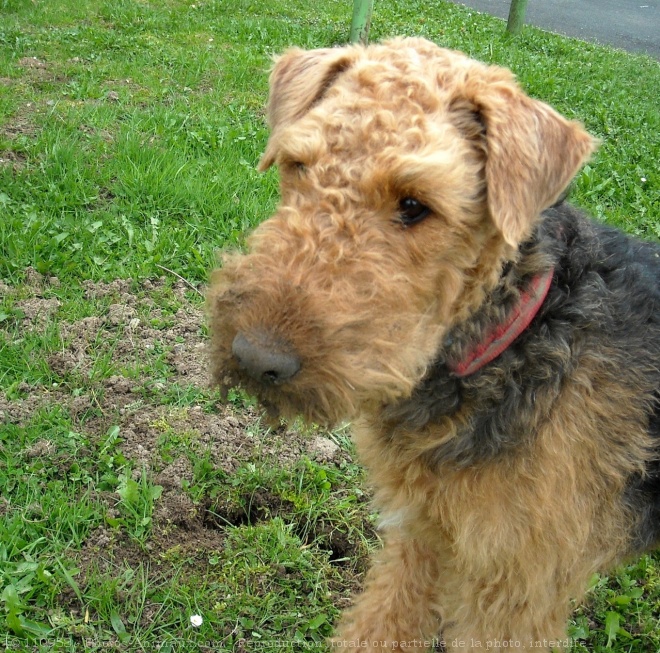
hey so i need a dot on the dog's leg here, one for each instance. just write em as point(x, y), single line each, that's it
point(396, 609)
point(507, 609)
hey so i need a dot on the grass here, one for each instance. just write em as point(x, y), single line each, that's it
point(129, 136)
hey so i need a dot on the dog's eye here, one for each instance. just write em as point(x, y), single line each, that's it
point(412, 211)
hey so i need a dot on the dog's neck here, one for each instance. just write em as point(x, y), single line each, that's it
point(500, 335)
point(505, 315)
point(471, 345)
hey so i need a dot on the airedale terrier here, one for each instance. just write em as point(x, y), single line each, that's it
point(497, 351)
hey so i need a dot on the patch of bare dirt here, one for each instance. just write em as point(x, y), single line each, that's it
point(38, 71)
point(32, 63)
point(249, 509)
point(21, 124)
point(14, 160)
point(38, 311)
point(152, 334)
point(124, 330)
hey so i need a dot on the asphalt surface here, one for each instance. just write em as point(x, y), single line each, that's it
point(632, 25)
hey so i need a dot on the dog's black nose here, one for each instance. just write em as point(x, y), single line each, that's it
point(264, 362)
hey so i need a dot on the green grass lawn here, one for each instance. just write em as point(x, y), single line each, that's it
point(131, 499)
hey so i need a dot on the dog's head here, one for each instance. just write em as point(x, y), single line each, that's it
point(409, 175)
point(531, 152)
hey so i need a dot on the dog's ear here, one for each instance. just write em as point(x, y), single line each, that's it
point(532, 152)
point(299, 80)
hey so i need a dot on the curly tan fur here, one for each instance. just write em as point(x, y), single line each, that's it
point(500, 493)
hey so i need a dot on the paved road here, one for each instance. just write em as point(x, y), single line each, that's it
point(632, 25)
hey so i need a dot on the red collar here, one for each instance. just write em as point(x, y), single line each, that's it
point(502, 335)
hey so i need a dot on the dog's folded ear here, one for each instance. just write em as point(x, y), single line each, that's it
point(298, 81)
point(532, 152)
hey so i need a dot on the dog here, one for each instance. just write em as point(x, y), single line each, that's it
point(496, 351)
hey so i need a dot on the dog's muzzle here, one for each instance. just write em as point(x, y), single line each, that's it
point(263, 360)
